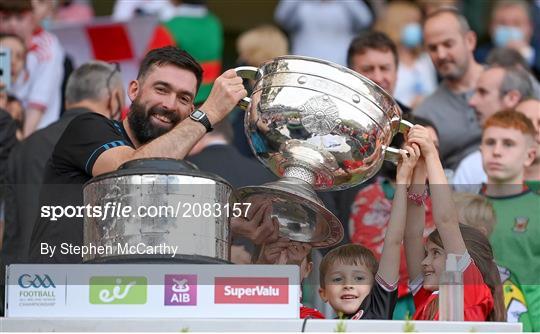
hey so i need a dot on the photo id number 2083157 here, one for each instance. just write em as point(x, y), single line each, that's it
point(197, 210)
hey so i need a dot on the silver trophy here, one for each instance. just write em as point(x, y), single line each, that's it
point(319, 127)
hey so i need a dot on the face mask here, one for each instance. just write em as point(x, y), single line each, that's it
point(411, 35)
point(506, 34)
point(46, 23)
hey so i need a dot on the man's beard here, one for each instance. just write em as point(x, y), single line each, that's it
point(142, 126)
point(457, 73)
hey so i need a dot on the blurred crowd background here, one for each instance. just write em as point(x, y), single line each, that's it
point(48, 39)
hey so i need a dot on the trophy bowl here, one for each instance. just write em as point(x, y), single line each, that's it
point(318, 126)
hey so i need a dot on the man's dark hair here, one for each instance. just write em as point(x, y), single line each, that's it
point(170, 55)
point(506, 57)
point(15, 6)
point(371, 40)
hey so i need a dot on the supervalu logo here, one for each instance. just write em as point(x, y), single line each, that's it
point(251, 290)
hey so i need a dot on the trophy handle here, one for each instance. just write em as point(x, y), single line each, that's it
point(246, 72)
point(392, 154)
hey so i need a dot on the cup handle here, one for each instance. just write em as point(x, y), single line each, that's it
point(392, 154)
point(246, 72)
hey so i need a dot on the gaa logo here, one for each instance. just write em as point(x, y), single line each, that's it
point(36, 281)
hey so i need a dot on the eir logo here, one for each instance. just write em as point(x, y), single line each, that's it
point(36, 281)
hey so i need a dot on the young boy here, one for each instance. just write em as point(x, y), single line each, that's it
point(476, 211)
point(351, 281)
point(508, 148)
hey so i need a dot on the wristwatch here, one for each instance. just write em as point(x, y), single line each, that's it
point(200, 116)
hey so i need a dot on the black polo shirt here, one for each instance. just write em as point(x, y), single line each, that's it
point(379, 304)
point(69, 167)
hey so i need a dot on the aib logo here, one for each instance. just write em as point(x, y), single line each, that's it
point(35, 281)
point(180, 290)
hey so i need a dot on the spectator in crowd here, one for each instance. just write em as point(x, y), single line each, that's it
point(305, 270)
point(74, 11)
point(17, 49)
point(476, 211)
point(507, 57)
point(416, 76)
point(374, 55)
point(254, 47)
point(162, 122)
point(370, 214)
point(8, 140)
point(531, 109)
point(497, 88)
point(430, 6)
point(511, 26)
point(40, 90)
point(483, 298)
point(125, 10)
point(284, 251)
point(508, 148)
point(43, 12)
point(190, 26)
point(260, 44)
point(94, 87)
point(352, 281)
point(450, 44)
point(322, 28)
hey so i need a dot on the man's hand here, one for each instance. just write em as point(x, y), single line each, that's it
point(258, 224)
point(297, 252)
point(227, 91)
point(274, 252)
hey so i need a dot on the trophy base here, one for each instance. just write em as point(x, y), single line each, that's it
point(300, 213)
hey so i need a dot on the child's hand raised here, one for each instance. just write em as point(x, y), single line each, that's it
point(406, 165)
point(420, 135)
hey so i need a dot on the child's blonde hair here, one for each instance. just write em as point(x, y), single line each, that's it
point(349, 254)
point(475, 211)
point(262, 43)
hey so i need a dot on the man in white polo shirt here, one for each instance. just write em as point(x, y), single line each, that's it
point(39, 88)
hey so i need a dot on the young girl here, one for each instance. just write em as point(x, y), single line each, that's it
point(483, 299)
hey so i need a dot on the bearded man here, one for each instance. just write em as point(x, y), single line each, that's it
point(163, 122)
point(450, 43)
